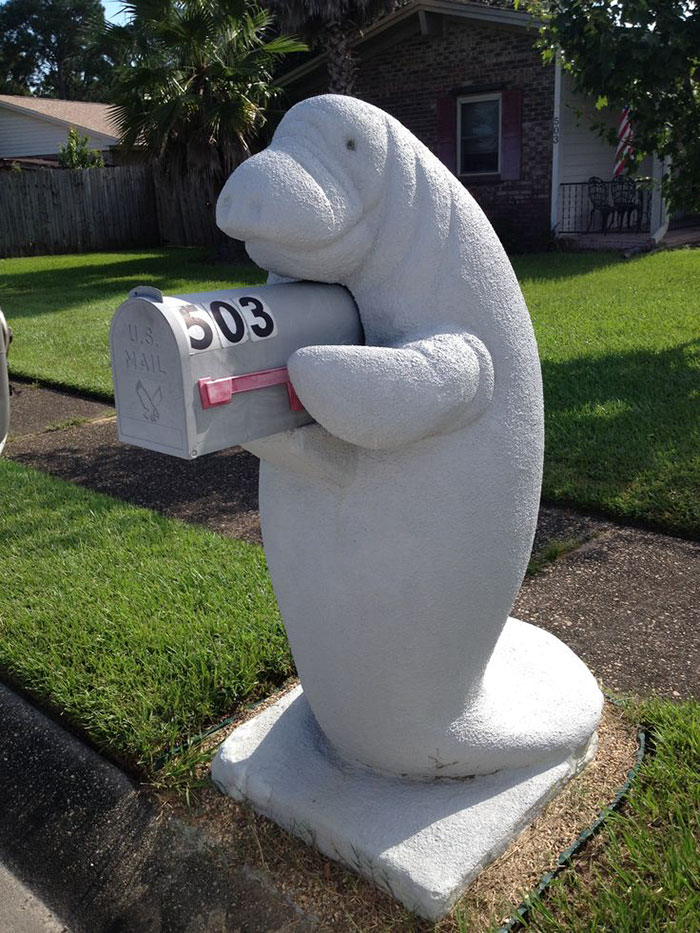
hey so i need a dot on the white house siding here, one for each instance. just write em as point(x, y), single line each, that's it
point(24, 135)
point(582, 152)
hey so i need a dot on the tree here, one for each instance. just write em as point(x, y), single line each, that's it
point(77, 154)
point(333, 25)
point(51, 48)
point(643, 54)
point(196, 81)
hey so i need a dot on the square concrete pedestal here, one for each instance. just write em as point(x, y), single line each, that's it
point(422, 842)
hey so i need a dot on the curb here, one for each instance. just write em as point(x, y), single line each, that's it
point(105, 855)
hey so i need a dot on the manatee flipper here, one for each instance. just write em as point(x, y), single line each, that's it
point(309, 451)
point(386, 397)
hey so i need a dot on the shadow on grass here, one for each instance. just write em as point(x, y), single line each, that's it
point(219, 491)
point(54, 286)
point(38, 290)
point(552, 266)
point(622, 435)
point(621, 440)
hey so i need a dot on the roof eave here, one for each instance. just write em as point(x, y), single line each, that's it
point(474, 11)
point(28, 112)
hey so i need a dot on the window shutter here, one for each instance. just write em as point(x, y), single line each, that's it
point(511, 134)
point(447, 132)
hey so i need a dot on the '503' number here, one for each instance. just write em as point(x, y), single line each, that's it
point(246, 319)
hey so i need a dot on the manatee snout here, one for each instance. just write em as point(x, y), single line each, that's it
point(275, 197)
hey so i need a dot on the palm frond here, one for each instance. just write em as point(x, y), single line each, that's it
point(198, 80)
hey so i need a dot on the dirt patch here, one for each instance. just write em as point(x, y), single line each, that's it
point(508, 880)
point(343, 901)
point(35, 409)
point(626, 601)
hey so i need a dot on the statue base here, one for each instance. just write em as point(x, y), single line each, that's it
point(422, 841)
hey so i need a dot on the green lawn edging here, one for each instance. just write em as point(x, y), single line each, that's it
point(646, 874)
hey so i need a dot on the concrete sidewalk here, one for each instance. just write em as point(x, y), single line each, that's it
point(21, 911)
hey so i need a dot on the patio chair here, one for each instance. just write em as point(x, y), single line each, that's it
point(626, 200)
point(598, 196)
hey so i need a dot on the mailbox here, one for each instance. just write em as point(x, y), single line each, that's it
point(197, 373)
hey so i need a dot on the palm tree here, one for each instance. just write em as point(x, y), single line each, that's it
point(334, 25)
point(195, 81)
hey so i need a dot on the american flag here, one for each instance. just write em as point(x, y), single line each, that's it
point(625, 150)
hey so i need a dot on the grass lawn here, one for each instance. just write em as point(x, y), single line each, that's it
point(643, 871)
point(619, 342)
point(60, 307)
point(142, 631)
point(139, 629)
point(620, 347)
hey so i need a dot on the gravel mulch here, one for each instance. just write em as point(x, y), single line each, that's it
point(343, 901)
point(625, 600)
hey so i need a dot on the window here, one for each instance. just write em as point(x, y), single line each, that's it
point(479, 134)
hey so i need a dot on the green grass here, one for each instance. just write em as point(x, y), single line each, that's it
point(620, 348)
point(619, 342)
point(139, 629)
point(646, 873)
point(550, 551)
point(60, 307)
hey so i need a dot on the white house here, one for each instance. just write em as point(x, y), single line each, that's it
point(579, 153)
point(34, 127)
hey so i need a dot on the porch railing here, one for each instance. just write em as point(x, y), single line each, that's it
point(683, 217)
point(576, 212)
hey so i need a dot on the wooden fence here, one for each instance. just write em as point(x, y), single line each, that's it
point(61, 211)
point(185, 211)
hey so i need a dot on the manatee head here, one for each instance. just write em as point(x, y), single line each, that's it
point(308, 206)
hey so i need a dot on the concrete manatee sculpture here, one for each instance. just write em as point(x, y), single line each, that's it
point(398, 528)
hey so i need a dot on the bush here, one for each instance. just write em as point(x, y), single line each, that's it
point(76, 154)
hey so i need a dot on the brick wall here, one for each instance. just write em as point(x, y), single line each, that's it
point(408, 78)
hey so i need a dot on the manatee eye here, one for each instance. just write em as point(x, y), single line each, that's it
point(350, 144)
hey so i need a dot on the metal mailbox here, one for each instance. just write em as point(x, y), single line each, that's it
point(197, 373)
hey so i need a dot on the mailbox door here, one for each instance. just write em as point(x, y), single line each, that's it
point(147, 363)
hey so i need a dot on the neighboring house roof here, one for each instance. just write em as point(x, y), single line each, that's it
point(90, 118)
point(500, 12)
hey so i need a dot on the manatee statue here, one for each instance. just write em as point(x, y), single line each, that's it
point(398, 527)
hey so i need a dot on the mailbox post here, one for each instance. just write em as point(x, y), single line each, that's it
point(5, 338)
point(194, 374)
